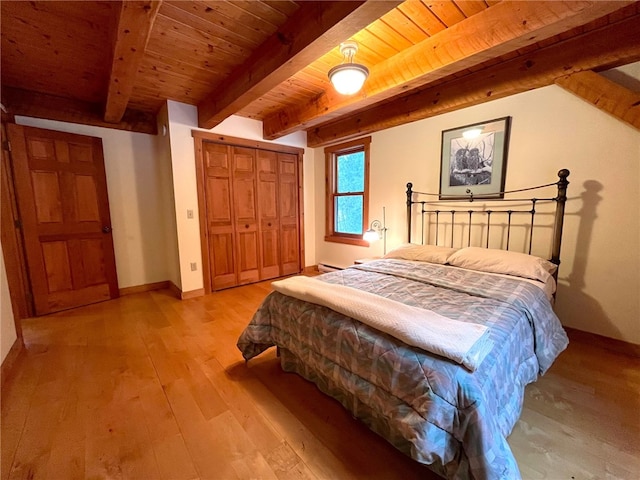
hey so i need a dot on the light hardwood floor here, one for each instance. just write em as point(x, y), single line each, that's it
point(150, 387)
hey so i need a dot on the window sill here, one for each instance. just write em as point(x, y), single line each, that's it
point(346, 240)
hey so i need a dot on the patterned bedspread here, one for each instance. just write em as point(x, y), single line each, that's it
point(434, 410)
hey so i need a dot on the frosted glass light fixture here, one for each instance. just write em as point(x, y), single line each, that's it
point(372, 235)
point(377, 230)
point(348, 78)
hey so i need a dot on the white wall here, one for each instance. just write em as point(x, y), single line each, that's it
point(551, 129)
point(138, 199)
point(183, 119)
point(164, 157)
point(7, 326)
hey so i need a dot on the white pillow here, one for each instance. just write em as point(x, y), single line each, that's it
point(503, 261)
point(422, 253)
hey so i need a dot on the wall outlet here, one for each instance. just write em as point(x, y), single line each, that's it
point(189, 213)
point(194, 266)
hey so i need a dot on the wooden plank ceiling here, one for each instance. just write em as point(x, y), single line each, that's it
point(115, 64)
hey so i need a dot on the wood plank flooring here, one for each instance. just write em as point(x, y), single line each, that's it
point(150, 387)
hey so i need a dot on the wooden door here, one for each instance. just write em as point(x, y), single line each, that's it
point(268, 213)
point(289, 214)
point(61, 191)
point(220, 215)
point(246, 214)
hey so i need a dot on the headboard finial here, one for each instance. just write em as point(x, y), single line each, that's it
point(558, 223)
point(409, 203)
point(563, 174)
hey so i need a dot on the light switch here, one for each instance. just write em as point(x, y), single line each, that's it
point(189, 213)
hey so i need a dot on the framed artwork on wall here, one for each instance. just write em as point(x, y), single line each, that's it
point(474, 160)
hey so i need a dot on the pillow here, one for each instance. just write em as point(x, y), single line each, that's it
point(503, 261)
point(422, 253)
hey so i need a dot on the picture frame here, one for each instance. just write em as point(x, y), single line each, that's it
point(473, 160)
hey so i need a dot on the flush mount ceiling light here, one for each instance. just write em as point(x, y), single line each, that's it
point(348, 77)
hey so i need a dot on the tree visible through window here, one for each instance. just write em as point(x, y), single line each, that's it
point(347, 169)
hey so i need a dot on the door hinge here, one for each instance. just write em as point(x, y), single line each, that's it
point(18, 223)
point(6, 145)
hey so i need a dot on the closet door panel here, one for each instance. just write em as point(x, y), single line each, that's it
point(289, 215)
point(223, 261)
point(246, 214)
point(220, 216)
point(268, 213)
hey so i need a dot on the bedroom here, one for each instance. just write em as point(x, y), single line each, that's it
point(601, 231)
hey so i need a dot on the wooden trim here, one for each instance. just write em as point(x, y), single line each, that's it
point(310, 269)
point(147, 287)
point(192, 294)
point(244, 142)
point(301, 208)
point(6, 370)
point(13, 244)
point(202, 212)
point(607, 343)
point(175, 290)
point(347, 240)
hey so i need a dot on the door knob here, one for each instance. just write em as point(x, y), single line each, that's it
point(106, 229)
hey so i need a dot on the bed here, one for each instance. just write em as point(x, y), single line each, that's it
point(433, 345)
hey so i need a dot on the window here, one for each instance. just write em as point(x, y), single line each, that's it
point(347, 175)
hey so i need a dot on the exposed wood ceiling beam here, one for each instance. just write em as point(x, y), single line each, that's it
point(608, 47)
point(132, 34)
point(514, 25)
point(604, 94)
point(314, 29)
point(33, 104)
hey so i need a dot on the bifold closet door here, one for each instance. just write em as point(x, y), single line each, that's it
point(220, 215)
point(253, 214)
point(268, 193)
point(289, 214)
point(245, 210)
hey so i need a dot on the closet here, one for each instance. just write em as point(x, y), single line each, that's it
point(251, 220)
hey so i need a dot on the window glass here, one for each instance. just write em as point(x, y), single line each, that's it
point(349, 214)
point(350, 174)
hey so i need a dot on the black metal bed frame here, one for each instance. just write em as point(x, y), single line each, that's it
point(431, 207)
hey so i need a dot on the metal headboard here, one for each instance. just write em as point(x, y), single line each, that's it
point(467, 213)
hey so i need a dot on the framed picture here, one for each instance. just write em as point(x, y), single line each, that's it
point(474, 160)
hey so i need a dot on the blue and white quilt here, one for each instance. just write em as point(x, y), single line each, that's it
point(433, 409)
